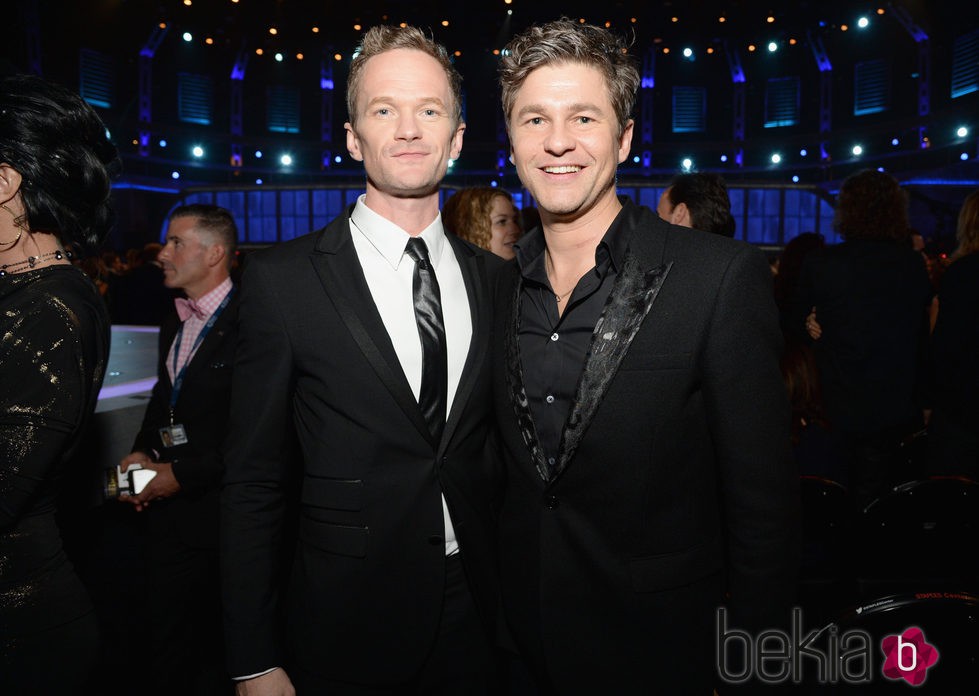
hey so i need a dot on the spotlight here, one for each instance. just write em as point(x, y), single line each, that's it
point(776, 158)
point(493, 183)
point(188, 36)
point(687, 164)
point(688, 53)
point(964, 156)
point(772, 47)
point(258, 181)
point(795, 178)
point(258, 154)
point(163, 143)
point(197, 151)
point(286, 160)
point(723, 158)
point(636, 159)
point(174, 174)
point(857, 150)
point(962, 131)
point(895, 142)
point(338, 159)
point(278, 57)
point(863, 22)
point(803, 152)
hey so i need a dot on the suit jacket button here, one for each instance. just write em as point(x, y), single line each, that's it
point(436, 540)
point(552, 502)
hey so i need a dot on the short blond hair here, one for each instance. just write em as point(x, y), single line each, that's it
point(383, 38)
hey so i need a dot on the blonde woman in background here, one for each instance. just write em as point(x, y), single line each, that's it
point(484, 216)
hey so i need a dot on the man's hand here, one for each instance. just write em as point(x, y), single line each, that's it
point(274, 683)
point(812, 326)
point(163, 485)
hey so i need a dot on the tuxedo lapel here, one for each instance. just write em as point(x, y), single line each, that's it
point(338, 268)
point(473, 270)
point(632, 296)
point(636, 287)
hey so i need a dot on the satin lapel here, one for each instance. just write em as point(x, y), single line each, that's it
point(338, 267)
point(168, 332)
point(632, 295)
point(474, 275)
point(515, 382)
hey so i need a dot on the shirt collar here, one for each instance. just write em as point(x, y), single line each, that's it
point(390, 240)
point(210, 301)
point(612, 248)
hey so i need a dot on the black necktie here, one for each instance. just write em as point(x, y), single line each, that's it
point(431, 330)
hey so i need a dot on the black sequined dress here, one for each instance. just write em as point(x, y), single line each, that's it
point(54, 344)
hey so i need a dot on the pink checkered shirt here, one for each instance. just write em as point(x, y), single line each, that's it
point(192, 327)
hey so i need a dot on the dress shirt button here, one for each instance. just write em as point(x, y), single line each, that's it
point(550, 461)
point(552, 502)
point(549, 399)
point(436, 540)
point(554, 336)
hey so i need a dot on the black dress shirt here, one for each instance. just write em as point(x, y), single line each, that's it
point(553, 347)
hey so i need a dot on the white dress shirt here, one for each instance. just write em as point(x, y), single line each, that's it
point(380, 246)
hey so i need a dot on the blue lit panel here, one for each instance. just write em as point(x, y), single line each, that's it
point(782, 102)
point(282, 109)
point(195, 98)
point(871, 87)
point(95, 78)
point(689, 110)
point(965, 65)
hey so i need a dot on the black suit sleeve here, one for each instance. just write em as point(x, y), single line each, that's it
point(749, 416)
point(253, 497)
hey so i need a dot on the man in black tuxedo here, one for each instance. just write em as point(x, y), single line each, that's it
point(350, 345)
point(180, 440)
point(643, 418)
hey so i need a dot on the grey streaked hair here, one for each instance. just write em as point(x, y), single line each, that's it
point(567, 41)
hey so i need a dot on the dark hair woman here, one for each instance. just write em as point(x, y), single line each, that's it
point(55, 168)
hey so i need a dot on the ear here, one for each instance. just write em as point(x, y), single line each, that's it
point(353, 143)
point(681, 215)
point(10, 180)
point(216, 255)
point(625, 140)
point(455, 148)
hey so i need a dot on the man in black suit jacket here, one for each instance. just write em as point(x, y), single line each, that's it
point(180, 440)
point(392, 589)
point(643, 419)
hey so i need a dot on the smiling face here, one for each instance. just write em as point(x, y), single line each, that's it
point(504, 227)
point(565, 141)
point(404, 131)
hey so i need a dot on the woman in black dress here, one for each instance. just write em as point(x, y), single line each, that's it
point(55, 169)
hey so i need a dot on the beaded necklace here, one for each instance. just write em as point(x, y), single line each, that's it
point(32, 261)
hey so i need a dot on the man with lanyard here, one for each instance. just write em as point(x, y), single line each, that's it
point(180, 440)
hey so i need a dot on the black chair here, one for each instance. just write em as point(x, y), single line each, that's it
point(920, 531)
point(947, 619)
point(827, 578)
